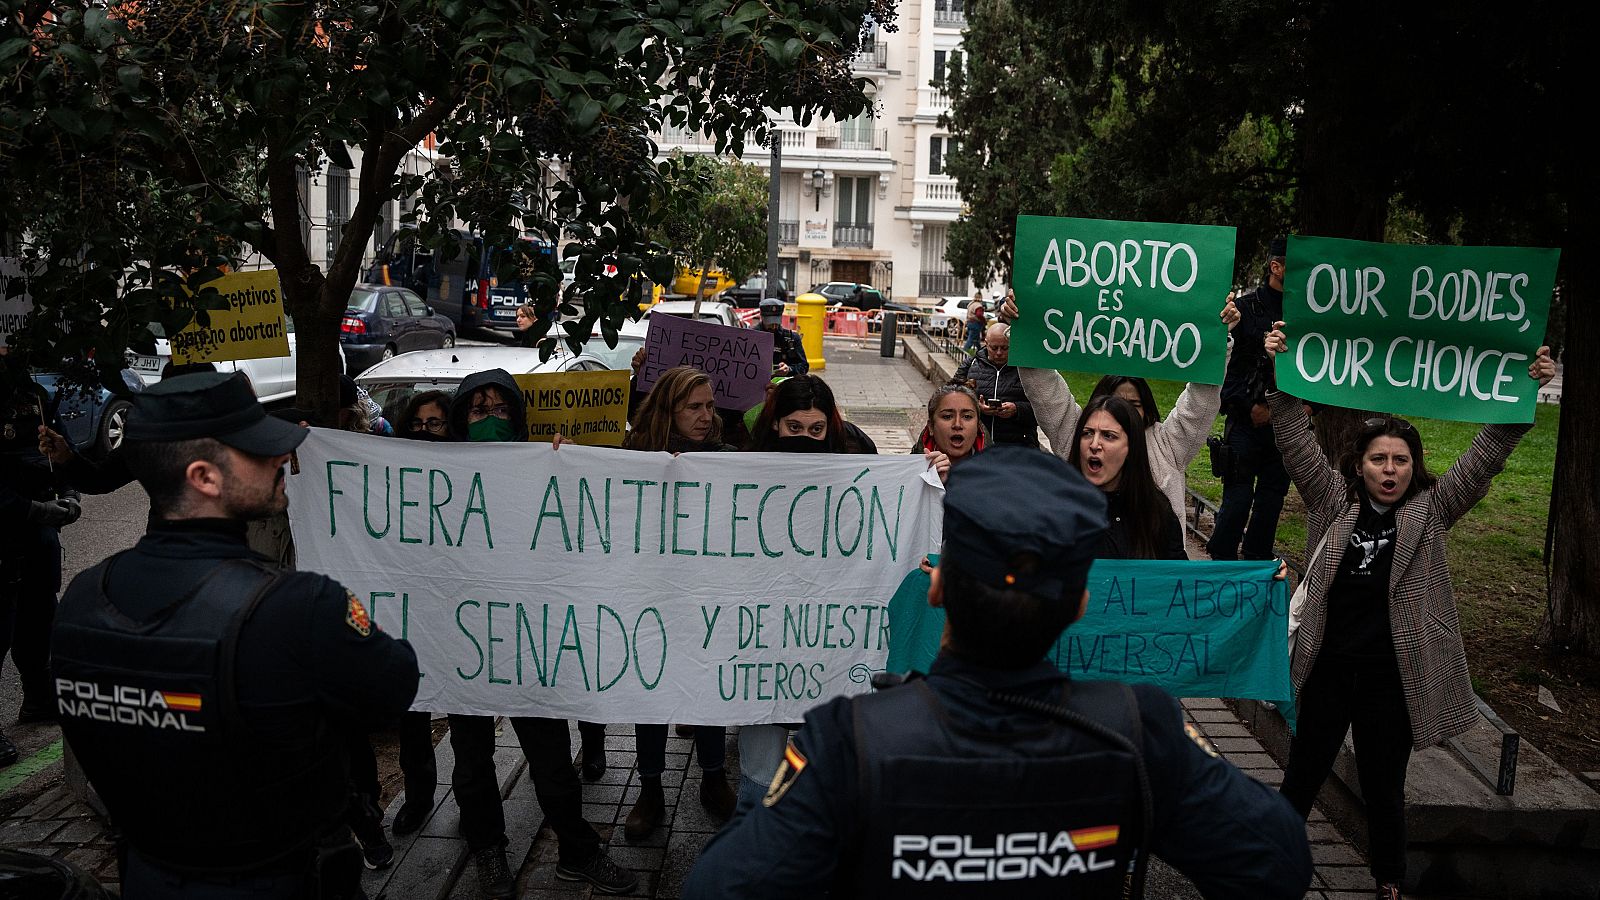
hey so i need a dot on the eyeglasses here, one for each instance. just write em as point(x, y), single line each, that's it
point(499, 411)
point(434, 425)
point(1383, 422)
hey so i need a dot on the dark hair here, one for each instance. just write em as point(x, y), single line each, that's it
point(801, 392)
point(1145, 507)
point(415, 405)
point(1371, 430)
point(1003, 628)
point(1108, 385)
point(160, 467)
point(173, 370)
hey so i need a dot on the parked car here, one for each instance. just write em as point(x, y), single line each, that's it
point(392, 382)
point(383, 322)
point(91, 418)
point(750, 294)
point(710, 311)
point(845, 293)
point(905, 313)
point(950, 316)
point(273, 378)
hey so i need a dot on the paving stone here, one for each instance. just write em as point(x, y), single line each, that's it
point(602, 793)
point(1335, 855)
point(682, 850)
point(1345, 878)
point(429, 869)
point(1212, 715)
point(638, 858)
point(1250, 760)
point(1270, 777)
point(24, 832)
point(1323, 833)
point(1230, 745)
point(78, 831)
point(445, 821)
point(1347, 895)
point(1215, 730)
point(1198, 703)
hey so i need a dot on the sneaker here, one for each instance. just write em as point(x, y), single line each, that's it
point(376, 851)
point(606, 876)
point(494, 873)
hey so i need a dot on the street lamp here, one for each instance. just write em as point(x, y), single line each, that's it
point(816, 185)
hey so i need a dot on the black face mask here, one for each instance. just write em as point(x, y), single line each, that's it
point(799, 443)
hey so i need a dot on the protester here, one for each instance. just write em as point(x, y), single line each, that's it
point(1173, 441)
point(1007, 414)
point(1379, 647)
point(527, 316)
point(426, 418)
point(800, 416)
point(358, 412)
point(977, 318)
point(1254, 481)
point(952, 433)
point(488, 407)
point(678, 416)
point(240, 787)
point(788, 354)
point(1111, 453)
point(997, 775)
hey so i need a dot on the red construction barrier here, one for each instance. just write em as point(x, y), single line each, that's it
point(848, 321)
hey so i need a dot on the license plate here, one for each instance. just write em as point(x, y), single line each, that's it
point(503, 315)
point(147, 364)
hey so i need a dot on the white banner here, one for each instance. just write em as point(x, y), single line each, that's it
point(13, 309)
point(618, 586)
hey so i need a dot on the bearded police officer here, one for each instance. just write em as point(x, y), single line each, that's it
point(208, 694)
point(995, 775)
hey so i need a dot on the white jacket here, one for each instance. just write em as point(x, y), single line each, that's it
point(1173, 442)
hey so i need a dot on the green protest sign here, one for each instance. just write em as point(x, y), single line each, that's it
point(1123, 298)
point(1445, 332)
point(1196, 629)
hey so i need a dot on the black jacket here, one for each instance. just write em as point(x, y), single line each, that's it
point(1002, 384)
point(1249, 370)
point(1117, 542)
point(786, 348)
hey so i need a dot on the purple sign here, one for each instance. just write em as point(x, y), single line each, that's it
point(739, 360)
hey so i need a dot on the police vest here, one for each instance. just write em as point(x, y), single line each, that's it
point(150, 709)
point(1053, 812)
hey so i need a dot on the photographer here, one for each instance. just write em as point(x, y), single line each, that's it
point(1005, 413)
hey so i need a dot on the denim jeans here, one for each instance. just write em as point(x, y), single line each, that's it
point(760, 750)
point(1252, 493)
point(974, 337)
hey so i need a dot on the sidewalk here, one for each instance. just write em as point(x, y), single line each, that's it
point(886, 398)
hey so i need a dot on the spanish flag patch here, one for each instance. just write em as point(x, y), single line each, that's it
point(788, 773)
point(355, 615)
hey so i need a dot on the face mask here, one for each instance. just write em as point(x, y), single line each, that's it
point(799, 443)
point(492, 428)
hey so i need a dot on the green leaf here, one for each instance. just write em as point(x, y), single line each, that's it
point(13, 47)
point(130, 76)
point(629, 39)
point(94, 27)
point(588, 111)
point(68, 119)
point(339, 155)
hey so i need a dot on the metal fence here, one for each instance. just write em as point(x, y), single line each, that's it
point(852, 235)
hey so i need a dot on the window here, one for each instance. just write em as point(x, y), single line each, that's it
point(414, 304)
point(338, 207)
point(856, 133)
point(939, 57)
point(936, 156)
point(394, 306)
point(855, 200)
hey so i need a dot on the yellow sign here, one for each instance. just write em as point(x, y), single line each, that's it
point(251, 327)
point(585, 407)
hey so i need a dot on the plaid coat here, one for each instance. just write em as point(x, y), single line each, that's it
point(1422, 607)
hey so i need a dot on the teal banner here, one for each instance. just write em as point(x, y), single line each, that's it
point(1196, 629)
point(1443, 332)
point(1122, 298)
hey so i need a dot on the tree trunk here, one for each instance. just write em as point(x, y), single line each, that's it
point(1572, 553)
point(699, 290)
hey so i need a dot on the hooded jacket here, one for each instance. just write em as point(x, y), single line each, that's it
point(462, 402)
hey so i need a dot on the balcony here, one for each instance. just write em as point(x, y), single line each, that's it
point(933, 98)
point(852, 236)
point(837, 137)
point(939, 191)
point(940, 284)
point(788, 232)
point(950, 13)
point(872, 56)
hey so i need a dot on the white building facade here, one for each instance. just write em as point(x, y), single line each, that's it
point(867, 200)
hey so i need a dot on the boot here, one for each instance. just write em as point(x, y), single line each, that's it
point(648, 811)
point(716, 796)
point(593, 766)
point(683, 730)
point(8, 751)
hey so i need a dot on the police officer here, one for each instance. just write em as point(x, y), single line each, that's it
point(996, 775)
point(788, 356)
point(208, 694)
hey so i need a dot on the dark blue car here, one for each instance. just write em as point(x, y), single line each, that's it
point(91, 419)
point(383, 321)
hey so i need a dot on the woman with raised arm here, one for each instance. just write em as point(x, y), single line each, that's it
point(1379, 647)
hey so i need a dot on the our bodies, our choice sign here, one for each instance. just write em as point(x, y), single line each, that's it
point(1125, 298)
point(1445, 332)
point(613, 585)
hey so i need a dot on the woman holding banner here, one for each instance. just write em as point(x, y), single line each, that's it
point(1379, 647)
point(800, 416)
point(679, 415)
point(952, 433)
point(1110, 450)
point(1173, 441)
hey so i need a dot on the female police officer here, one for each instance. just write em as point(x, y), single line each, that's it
point(996, 775)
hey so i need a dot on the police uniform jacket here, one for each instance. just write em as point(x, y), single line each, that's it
point(1232, 835)
point(252, 792)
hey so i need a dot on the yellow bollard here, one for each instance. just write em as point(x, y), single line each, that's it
point(811, 322)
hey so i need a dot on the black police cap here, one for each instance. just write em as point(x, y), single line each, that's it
point(217, 405)
point(1010, 500)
